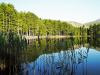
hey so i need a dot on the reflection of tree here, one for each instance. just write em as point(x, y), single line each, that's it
point(62, 63)
point(11, 48)
point(65, 63)
point(47, 44)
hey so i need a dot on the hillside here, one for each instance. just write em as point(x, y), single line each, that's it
point(92, 22)
point(76, 24)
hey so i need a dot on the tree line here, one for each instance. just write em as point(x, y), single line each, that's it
point(27, 23)
point(94, 33)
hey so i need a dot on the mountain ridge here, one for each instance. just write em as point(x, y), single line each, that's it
point(77, 24)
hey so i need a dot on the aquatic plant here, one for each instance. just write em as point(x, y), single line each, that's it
point(11, 47)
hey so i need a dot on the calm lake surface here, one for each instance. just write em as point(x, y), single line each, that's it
point(79, 62)
point(73, 56)
point(66, 56)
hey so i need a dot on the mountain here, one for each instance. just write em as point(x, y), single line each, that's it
point(92, 23)
point(76, 24)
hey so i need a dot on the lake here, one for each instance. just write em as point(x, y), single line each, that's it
point(61, 56)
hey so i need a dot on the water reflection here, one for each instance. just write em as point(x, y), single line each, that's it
point(82, 61)
point(67, 56)
point(74, 61)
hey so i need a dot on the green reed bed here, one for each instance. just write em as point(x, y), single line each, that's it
point(11, 47)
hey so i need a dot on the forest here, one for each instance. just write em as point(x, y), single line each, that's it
point(27, 23)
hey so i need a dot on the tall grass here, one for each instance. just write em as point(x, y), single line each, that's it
point(11, 46)
point(10, 42)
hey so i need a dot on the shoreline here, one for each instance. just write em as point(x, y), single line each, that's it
point(36, 37)
point(50, 36)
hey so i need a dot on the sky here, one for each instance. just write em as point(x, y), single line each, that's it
point(81, 11)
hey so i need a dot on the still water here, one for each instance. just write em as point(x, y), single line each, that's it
point(66, 56)
point(81, 61)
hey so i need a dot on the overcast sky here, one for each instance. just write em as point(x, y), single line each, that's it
point(67, 10)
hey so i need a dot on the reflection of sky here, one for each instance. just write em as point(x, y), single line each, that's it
point(64, 63)
point(94, 62)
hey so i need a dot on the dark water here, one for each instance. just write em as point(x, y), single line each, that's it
point(67, 56)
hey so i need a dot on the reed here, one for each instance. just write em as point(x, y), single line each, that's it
point(11, 47)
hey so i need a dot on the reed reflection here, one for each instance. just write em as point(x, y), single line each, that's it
point(59, 61)
point(66, 56)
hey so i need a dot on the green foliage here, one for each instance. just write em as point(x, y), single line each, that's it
point(94, 30)
point(94, 33)
point(11, 41)
point(8, 17)
point(27, 23)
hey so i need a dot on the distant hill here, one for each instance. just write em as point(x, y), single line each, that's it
point(76, 24)
point(92, 23)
